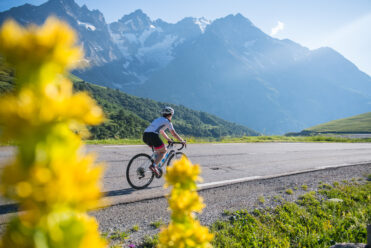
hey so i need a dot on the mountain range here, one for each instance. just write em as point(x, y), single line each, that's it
point(227, 67)
point(127, 116)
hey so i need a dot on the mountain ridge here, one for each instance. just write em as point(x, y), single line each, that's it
point(274, 86)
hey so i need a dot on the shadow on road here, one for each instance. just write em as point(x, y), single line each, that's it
point(119, 192)
point(13, 208)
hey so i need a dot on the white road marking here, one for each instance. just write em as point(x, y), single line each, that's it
point(202, 185)
point(122, 146)
point(226, 144)
point(245, 179)
point(336, 166)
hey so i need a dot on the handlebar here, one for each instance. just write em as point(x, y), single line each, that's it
point(170, 144)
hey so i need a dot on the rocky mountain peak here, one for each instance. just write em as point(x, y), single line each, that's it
point(136, 21)
point(235, 29)
point(64, 3)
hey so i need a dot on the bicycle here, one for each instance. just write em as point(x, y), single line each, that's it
point(138, 174)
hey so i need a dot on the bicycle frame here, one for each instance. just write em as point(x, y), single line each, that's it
point(138, 165)
point(170, 150)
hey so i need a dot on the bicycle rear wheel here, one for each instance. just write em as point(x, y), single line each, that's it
point(175, 156)
point(138, 174)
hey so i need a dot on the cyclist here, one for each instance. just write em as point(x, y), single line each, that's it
point(152, 138)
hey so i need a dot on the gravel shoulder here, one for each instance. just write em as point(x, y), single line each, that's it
point(246, 195)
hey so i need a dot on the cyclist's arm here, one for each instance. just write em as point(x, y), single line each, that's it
point(165, 135)
point(175, 134)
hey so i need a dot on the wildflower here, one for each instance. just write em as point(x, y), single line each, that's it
point(184, 231)
point(182, 174)
point(53, 182)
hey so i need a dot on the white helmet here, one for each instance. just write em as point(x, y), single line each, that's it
point(167, 111)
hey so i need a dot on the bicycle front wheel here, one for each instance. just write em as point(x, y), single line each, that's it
point(138, 174)
point(175, 156)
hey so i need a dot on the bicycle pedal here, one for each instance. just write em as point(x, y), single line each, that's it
point(160, 172)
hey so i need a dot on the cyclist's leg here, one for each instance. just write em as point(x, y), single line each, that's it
point(160, 148)
point(154, 140)
point(151, 140)
point(161, 151)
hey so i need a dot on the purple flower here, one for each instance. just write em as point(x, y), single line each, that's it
point(131, 246)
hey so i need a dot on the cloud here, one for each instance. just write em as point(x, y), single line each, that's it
point(280, 26)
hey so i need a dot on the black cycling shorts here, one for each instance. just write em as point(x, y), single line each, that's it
point(153, 140)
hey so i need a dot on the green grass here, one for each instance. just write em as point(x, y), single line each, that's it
point(261, 199)
point(256, 139)
point(115, 142)
point(119, 235)
point(304, 187)
point(150, 241)
point(355, 124)
point(156, 224)
point(289, 191)
point(135, 228)
point(244, 139)
point(312, 221)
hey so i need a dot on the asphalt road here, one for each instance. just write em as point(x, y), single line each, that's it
point(222, 163)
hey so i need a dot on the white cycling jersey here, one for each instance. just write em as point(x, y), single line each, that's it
point(159, 124)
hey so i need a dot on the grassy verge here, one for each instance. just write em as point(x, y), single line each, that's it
point(253, 139)
point(334, 214)
point(245, 139)
point(115, 142)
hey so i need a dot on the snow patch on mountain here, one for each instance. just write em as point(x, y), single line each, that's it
point(88, 26)
point(160, 52)
point(202, 23)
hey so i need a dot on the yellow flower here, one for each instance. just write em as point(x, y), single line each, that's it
point(183, 203)
point(183, 231)
point(39, 52)
point(187, 236)
point(51, 179)
point(183, 174)
point(25, 113)
point(61, 228)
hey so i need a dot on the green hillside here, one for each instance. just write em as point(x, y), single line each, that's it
point(355, 124)
point(128, 116)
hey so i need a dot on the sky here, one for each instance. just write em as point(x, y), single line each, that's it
point(344, 25)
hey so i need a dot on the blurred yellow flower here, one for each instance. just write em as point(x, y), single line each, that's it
point(184, 231)
point(53, 182)
point(39, 52)
point(60, 228)
point(183, 174)
point(184, 203)
point(187, 236)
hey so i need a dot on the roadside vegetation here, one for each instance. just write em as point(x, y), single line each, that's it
point(243, 139)
point(355, 124)
point(335, 213)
